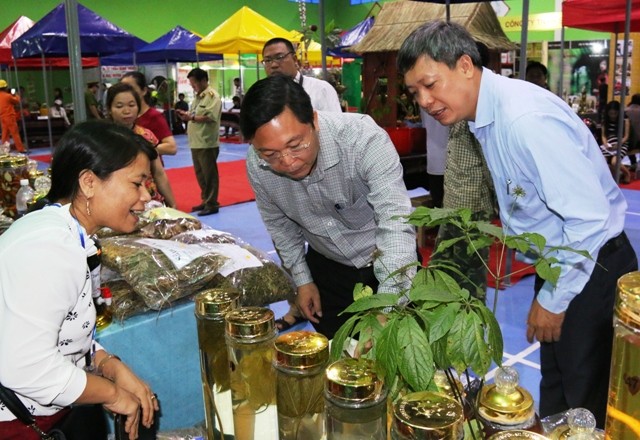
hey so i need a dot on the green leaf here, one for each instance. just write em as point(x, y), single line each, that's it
point(387, 353)
point(446, 244)
point(441, 321)
point(479, 243)
point(547, 272)
point(537, 240)
point(475, 349)
point(455, 350)
point(439, 350)
point(494, 334)
point(378, 301)
point(361, 291)
point(337, 344)
point(416, 364)
point(490, 229)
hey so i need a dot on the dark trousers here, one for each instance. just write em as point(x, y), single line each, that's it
point(436, 189)
point(575, 370)
point(335, 282)
point(206, 168)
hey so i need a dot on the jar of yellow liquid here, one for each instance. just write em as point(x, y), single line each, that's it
point(623, 406)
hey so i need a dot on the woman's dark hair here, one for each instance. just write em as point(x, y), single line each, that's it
point(611, 105)
point(98, 146)
point(635, 99)
point(140, 80)
point(118, 88)
point(268, 97)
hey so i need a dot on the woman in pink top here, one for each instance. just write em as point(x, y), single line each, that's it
point(150, 117)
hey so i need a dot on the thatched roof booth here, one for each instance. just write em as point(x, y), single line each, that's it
point(394, 23)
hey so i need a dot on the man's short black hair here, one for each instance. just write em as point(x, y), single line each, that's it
point(278, 40)
point(532, 65)
point(198, 74)
point(269, 97)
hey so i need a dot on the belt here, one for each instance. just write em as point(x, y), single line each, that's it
point(613, 244)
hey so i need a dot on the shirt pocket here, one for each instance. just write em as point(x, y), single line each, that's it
point(357, 215)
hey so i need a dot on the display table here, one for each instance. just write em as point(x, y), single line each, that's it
point(162, 348)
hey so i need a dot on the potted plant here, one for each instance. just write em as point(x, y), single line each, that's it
point(436, 324)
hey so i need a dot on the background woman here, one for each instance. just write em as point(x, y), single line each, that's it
point(609, 145)
point(123, 106)
point(47, 353)
point(150, 117)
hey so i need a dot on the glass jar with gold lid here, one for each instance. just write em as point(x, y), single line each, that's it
point(210, 308)
point(505, 406)
point(623, 408)
point(300, 360)
point(13, 168)
point(250, 334)
point(579, 424)
point(355, 401)
point(426, 415)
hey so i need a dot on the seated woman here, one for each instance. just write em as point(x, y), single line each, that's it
point(123, 107)
point(609, 145)
point(48, 356)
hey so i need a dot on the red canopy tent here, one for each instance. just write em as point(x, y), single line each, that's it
point(598, 15)
point(14, 31)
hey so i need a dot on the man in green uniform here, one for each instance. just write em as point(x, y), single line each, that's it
point(203, 132)
point(91, 102)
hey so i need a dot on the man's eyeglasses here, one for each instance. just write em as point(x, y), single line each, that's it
point(275, 59)
point(272, 157)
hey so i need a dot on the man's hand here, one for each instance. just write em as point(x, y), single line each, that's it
point(543, 325)
point(308, 302)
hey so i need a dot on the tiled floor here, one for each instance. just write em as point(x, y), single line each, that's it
point(244, 221)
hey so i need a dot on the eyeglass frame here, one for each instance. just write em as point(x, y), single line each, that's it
point(276, 59)
point(294, 152)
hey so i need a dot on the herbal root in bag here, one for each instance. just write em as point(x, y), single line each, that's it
point(161, 271)
point(260, 283)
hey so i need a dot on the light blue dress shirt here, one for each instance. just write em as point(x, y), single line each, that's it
point(533, 141)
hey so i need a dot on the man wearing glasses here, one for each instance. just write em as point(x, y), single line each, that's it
point(279, 58)
point(335, 182)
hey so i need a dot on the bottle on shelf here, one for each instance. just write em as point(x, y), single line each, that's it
point(23, 196)
point(104, 313)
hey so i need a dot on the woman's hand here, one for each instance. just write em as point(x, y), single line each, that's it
point(127, 404)
point(124, 378)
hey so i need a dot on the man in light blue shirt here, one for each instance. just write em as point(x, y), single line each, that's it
point(550, 178)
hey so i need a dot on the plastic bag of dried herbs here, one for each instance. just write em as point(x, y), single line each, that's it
point(260, 285)
point(126, 302)
point(161, 271)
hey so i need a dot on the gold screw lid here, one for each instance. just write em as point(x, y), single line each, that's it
point(628, 299)
point(215, 303)
point(425, 415)
point(301, 350)
point(517, 434)
point(354, 381)
point(250, 324)
point(505, 397)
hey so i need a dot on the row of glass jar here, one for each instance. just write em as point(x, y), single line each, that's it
point(14, 168)
point(257, 386)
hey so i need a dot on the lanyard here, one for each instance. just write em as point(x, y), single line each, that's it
point(80, 233)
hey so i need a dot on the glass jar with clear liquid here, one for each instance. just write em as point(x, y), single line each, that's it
point(250, 334)
point(623, 406)
point(210, 309)
point(355, 401)
point(300, 360)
